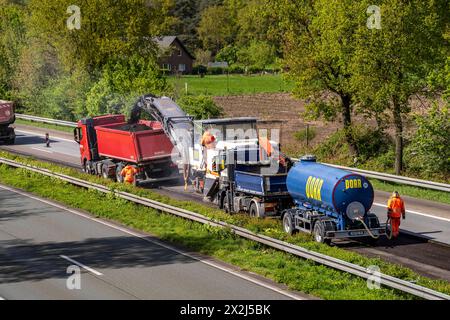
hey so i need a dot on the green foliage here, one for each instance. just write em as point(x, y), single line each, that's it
point(109, 29)
point(64, 97)
point(200, 107)
point(258, 54)
point(305, 134)
point(227, 54)
point(370, 142)
point(121, 82)
point(429, 150)
point(12, 38)
point(215, 29)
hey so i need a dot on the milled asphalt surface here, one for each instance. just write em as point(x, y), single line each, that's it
point(427, 219)
point(34, 235)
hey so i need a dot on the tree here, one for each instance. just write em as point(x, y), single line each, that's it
point(200, 107)
point(258, 54)
point(391, 64)
point(109, 29)
point(121, 82)
point(318, 51)
point(12, 40)
point(215, 29)
point(430, 145)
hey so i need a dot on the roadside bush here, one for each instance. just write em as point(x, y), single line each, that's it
point(304, 134)
point(216, 70)
point(199, 70)
point(200, 107)
point(236, 69)
point(429, 149)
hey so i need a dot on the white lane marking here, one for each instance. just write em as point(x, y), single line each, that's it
point(38, 149)
point(43, 135)
point(209, 263)
point(416, 212)
point(82, 265)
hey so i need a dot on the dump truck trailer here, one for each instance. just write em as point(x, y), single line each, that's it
point(109, 143)
point(7, 117)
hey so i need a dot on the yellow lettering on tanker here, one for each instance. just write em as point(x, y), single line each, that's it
point(307, 186)
point(353, 184)
point(314, 188)
point(320, 190)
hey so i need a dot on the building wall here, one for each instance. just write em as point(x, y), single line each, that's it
point(175, 60)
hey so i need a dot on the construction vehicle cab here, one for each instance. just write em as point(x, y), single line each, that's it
point(229, 133)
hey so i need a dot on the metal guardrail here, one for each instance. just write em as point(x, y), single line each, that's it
point(371, 174)
point(46, 120)
point(338, 264)
point(394, 178)
point(399, 179)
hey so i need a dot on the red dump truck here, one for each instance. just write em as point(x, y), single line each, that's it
point(109, 143)
point(7, 117)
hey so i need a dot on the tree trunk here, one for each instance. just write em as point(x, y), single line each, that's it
point(347, 117)
point(398, 123)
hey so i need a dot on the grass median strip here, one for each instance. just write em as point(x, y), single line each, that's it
point(269, 227)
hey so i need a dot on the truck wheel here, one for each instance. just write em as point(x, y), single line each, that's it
point(105, 172)
point(253, 210)
point(288, 225)
point(319, 233)
point(119, 177)
point(226, 204)
point(10, 141)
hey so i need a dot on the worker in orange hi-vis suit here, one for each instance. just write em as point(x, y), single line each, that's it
point(128, 173)
point(207, 142)
point(396, 210)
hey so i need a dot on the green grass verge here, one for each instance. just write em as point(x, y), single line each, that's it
point(44, 125)
point(284, 272)
point(415, 192)
point(221, 85)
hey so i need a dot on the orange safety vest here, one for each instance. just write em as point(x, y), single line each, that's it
point(207, 140)
point(129, 172)
point(396, 207)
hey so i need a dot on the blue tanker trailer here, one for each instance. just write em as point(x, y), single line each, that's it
point(329, 202)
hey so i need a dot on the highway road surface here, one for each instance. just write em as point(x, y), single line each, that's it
point(40, 240)
point(427, 219)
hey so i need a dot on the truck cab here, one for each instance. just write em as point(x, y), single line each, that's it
point(7, 117)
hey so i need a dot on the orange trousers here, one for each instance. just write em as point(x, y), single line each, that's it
point(395, 223)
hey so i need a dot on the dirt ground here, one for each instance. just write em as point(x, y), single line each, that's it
point(287, 109)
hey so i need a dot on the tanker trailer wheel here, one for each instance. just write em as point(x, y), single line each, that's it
point(288, 225)
point(319, 233)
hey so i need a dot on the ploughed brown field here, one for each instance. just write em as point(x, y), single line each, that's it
point(283, 107)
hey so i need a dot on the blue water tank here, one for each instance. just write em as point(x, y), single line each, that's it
point(326, 188)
